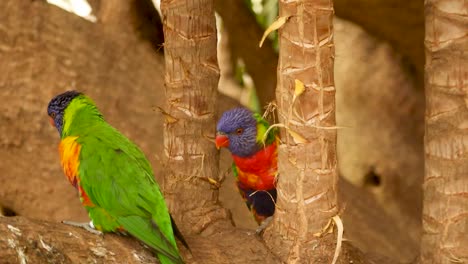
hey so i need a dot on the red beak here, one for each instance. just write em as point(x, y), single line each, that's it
point(222, 141)
point(51, 120)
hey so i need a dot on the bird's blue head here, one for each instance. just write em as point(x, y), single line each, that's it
point(57, 106)
point(237, 130)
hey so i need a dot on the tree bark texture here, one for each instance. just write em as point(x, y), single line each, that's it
point(25, 240)
point(445, 213)
point(244, 36)
point(191, 88)
point(307, 195)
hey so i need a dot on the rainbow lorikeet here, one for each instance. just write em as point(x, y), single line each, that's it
point(114, 180)
point(255, 161)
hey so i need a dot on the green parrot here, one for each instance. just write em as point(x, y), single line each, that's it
point(114, 180)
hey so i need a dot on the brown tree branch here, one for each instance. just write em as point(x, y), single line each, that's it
point(25, 240)
point(36, 241)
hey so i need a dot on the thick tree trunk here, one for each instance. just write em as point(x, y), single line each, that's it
point(307, 195)
point(191, 87)
point(445, 213)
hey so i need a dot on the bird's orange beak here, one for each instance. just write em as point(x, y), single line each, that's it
point(51, 120)
point(222, 141)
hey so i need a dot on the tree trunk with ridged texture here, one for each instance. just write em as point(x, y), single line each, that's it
point(445, 213)
point(191, 88)
point(307, 195)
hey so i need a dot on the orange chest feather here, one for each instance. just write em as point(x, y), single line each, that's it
point(69, 151)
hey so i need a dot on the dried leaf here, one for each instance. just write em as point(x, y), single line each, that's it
point(269, 109)
point(297, 137)
point(213, 181)
point(274, 26)
point(326, 229)
point(339, 240)
point(169, 119)
point(299, 87)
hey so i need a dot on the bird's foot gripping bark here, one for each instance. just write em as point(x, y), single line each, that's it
point(87, 226)
point(263, 226)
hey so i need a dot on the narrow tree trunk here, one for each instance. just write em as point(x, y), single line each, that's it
point(445, 213)
point(307, 195)
point(191, 88)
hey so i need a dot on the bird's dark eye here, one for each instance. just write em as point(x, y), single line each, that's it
point(53, 114)
point(239, 131)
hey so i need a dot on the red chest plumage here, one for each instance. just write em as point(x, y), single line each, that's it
point(258, 171)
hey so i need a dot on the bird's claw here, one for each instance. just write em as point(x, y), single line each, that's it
point(87, 226)
point(259, 231)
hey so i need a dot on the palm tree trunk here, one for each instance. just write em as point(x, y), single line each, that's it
point(307, 195)
point(445, 213)
point(191, 88)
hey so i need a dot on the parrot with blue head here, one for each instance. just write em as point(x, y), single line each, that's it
point(254, 159)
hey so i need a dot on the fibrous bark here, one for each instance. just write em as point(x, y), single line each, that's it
point(445, 213)
point(24, 240)
point(191, 88)
point(307, 195)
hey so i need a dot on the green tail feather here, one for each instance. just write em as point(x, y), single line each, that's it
point(146, 231)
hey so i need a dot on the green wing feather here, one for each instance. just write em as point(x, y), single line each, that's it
point(262, 127)
point(118, 179)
